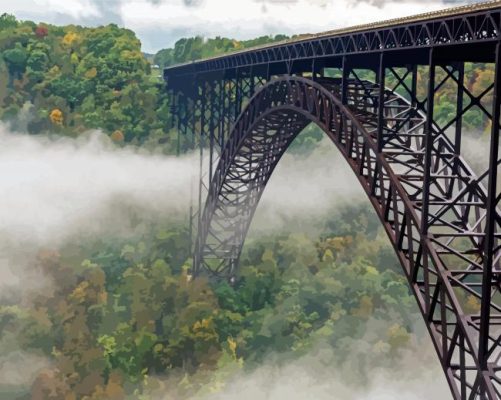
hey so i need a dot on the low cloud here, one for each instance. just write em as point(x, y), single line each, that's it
point(55, 188)
point(414, 375)
point(60, 190)
point(305, 380)
point(303, 190)
point(18, 368)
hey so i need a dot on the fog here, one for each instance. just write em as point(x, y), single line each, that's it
point(309, 378)
point(304, 190)
point(53, 189)
point(57, 190)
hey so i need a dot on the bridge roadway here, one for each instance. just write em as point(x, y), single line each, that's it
point(374, 91)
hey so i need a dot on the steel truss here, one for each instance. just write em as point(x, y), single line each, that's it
point(430, 202)
point(241, 112)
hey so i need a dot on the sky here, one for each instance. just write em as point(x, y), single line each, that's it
point(159, 23)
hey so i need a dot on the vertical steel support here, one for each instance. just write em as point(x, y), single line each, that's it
point(200, 93)
point(180, 111)
point(173, 113)
point(459, 110)
point(413, 93)
point(459, 66)
point(220, 122)
point(212, 106)
point(224, 111)
point(344, 81)
point(381, 77)
point(428, 146)
point(238, 94)
point(317, 67)
point(487, 275)
point(252, 84)
point(192, 110)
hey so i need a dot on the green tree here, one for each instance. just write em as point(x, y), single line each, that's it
point(16, 59)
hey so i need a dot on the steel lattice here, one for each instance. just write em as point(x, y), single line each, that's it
point(442, 218)
point(441, 254)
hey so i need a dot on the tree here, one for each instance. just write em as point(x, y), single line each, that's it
point(41, 31)
point(8, 21)
point(16, 59)
point(56, 117)
point(117, 136)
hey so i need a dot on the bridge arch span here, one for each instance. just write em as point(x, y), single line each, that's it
point(388, 159)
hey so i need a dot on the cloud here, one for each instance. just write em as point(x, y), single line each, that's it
point(245, 19)
point(61, 12)
point(189, 3)
point(75, 9)
point(159, 23)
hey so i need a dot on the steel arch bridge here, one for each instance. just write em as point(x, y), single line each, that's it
point(376, 91)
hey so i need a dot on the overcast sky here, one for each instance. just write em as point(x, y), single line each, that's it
point(159, 23)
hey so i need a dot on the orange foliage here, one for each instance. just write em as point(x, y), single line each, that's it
point(117, 136)
point(91, 73)
point(56, 116)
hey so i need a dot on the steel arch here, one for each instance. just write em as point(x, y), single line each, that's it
point(391, 164)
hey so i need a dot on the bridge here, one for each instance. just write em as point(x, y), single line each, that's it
point(374, 90)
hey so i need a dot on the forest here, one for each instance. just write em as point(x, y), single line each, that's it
point(120, 318)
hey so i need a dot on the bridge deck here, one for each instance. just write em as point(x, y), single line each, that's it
point(467, 25)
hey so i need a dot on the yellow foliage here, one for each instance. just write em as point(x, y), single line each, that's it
point(74, 59)
point(69, 38)
point(398, 336)
point(268, 256)
point(54, 72)
point(380, 347)
point(80, 291)
point(56, 116)
point(203, 324)
point(339, 243)
point(217, 386)
point(102, 297)
point(365, 308)
point(237, 44)
point(117, 136)
point(232, 344)
point(91, 73)
point(328, 256)
point(472, 305)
